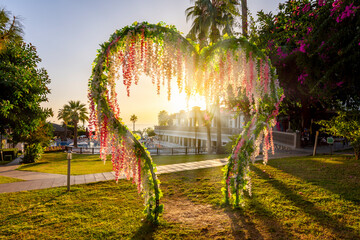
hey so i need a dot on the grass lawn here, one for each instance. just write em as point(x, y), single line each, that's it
point(8, 180)
point(87, 164)
point(294, 198)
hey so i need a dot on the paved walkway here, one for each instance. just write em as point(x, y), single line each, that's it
point(36, 180)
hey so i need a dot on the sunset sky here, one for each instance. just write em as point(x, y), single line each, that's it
point(67, 34)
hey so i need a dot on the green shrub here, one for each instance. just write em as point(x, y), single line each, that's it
point(32, 152)
point(345, 124)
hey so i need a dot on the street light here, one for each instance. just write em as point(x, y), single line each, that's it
point(69, 157)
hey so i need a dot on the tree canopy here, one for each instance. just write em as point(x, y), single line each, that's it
point(315, 46)
point(163, 118)
point(345, 124)
point(211, 20)
point(23, 88)
point(10, 28)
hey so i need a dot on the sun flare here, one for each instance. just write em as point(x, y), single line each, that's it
point(180, 102)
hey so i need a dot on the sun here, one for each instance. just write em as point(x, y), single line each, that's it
point(179, 102)
point(197, 101)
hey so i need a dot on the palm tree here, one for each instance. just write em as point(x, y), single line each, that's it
point(163, 118)
point(63, 116)
point(73, 112)
point(10, 29)
point(210, 17)
point(133, 119)
point(244, 17)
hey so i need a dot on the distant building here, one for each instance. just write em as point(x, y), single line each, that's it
point(6, 143)
point(188, 128)
point(59, 131)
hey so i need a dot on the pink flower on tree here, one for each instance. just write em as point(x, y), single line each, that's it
point(336, 6)
point(339, 84)
point(306, 8)
point(302, 77)
point(280, 53)
point(309, 30)
point(302, 46)
point(321, 3)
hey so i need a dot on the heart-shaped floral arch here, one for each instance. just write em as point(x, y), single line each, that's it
point(229, 67)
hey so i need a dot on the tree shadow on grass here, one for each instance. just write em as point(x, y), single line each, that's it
point(242, 222)
point(146, 231)
point(29, 165)
point(32, 208)
point(339, 229)
point(340, 177)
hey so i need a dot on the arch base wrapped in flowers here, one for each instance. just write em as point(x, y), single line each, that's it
point(230, 68)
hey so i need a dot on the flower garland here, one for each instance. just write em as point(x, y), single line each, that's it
point(161, 53)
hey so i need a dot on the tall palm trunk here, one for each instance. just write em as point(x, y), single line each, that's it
point(244, 18)
point(218, 127)
point(75, 134)
point(66, 132)
point(208, 143)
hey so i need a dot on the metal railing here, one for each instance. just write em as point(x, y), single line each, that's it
point(224, 130)
point(177, 150)
point(153, 151)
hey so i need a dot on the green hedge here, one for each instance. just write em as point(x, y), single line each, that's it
point(10, 152)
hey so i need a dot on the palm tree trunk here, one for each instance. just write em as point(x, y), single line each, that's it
point(208, 143)
point(66, 132)
point(218, 127)
point(75, 134)
point(244, 18)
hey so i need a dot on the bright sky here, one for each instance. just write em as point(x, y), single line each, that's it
point(67, 34)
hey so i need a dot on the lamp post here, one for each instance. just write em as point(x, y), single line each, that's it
point(69, 157)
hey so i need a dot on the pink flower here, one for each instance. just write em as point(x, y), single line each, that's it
point(339, 84)
point(306, 8)
point(302, 48)
point(321, 3)
point(280, 53)
point(336, 5)
point(309, 30)
point(302, 77)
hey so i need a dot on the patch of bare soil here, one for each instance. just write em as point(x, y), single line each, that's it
point(219, 223)
point(187, 212)
point(209, 220)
